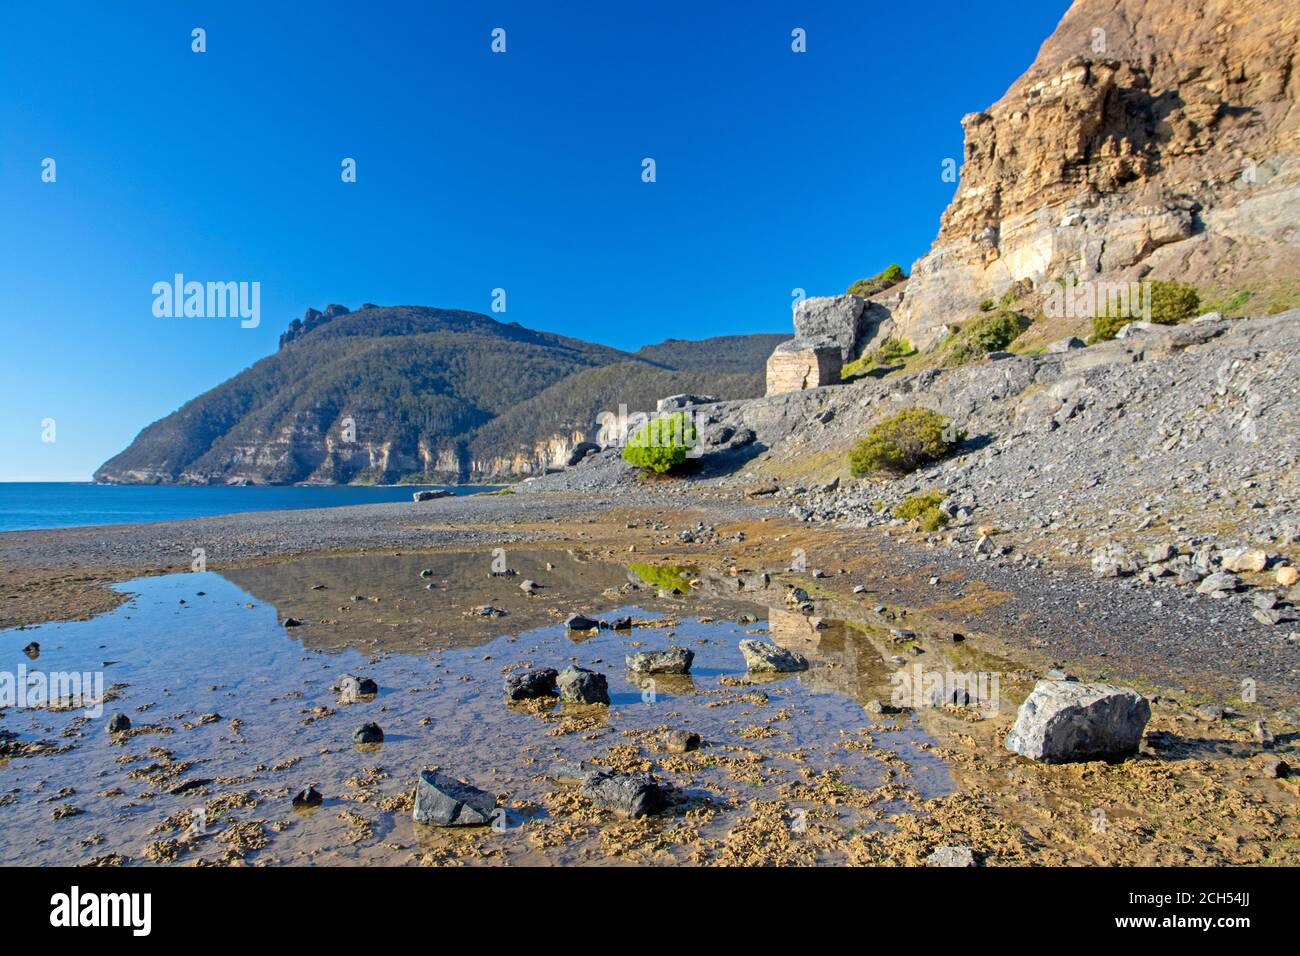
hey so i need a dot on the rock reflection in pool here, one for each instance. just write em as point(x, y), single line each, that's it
point(184, 787)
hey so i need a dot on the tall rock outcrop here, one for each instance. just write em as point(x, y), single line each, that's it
point(1149, 137)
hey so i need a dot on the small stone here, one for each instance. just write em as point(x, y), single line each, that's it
point(1287, 576)
point(860, 589)
point(32, 650)
point(1210, 712)
point(622, 624)
point(292, 622)
point(119, 723)
point(579, 622)
point(369, 733)
point(308, 796)
point(1268, 618)
point(426, 573)
point(444, 801)
point(958, 856)
point(581, 686)
point(531, 684)
point(1262, 734)
point(675, 660)
point(527, 586)
point(681, 741)
point(1264, 600)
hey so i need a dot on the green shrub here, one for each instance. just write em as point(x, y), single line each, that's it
point(904, 442)
point(881, 281)
point(1171, 303)
point(890, 352)
point(989, 332)
point(986, 305)
point(923, 509)
point(662, 443)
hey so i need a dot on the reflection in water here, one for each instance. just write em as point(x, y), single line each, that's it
point(232, 714)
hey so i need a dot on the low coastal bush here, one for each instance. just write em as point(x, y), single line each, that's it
point(1171, 303)
point(904, 442)
point(662, 443)
point(985, 333)
point(924, 509)
point(879, 282)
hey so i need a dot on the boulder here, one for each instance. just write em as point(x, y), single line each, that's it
point(369, 733)
point(1219, 581)
point(794, 366)
point(1067, 721)
point(308, 796)
point(676, 402)
point(581, 686)
point(675, 660)
point(1238, 560)
point(837, 319)
point(580, 451)
point(444, 801)
point(1068, 344)
point(628, 795)
point(762, 656)
point(526, 685)
point(681, 741)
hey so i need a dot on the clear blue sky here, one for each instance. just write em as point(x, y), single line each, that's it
point(475, 171)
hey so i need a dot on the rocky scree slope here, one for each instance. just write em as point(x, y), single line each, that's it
point(1148, 458)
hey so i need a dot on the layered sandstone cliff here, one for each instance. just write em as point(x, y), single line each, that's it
point(1149, 137)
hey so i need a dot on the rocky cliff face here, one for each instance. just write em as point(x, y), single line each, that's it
point(1149, 137)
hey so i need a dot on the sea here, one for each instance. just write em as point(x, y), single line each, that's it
point(65, 504)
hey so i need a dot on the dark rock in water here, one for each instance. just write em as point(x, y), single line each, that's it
point(675, 660)
point(292, 622)
point(370, 733)
point(622, 624)
point(426, 573)
point(430, 495)
point(444, 801)
point(681, 741)
point(367, 687)
point(32, 650)
point(308, 796)
point(529, 684)
point(960, 856)
point(487, 610)
point(119, 723)
point(580, 622)
point(188, 785)
point(761, 656)
point(628, 795)
point(1065, 721)
point(581, 686)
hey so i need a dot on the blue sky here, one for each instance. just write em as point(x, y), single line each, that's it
point(475, 171)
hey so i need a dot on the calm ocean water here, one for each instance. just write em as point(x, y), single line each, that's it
point(25, 505)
